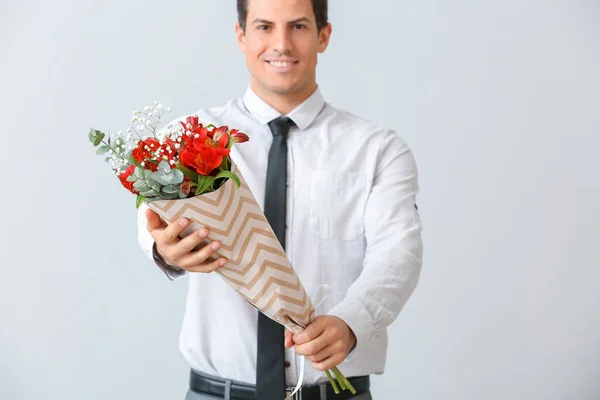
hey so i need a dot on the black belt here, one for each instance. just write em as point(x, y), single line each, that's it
point(215, 386)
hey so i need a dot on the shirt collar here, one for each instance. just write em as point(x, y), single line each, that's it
point(303, 115)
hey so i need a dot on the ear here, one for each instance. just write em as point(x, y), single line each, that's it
point(324, 37)
point(241, 37)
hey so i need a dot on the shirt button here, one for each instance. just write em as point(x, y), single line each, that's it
point(287, 364)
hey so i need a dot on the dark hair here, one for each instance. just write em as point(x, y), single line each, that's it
point(319, 8)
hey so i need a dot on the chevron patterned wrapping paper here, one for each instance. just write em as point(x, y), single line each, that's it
point(258, 268)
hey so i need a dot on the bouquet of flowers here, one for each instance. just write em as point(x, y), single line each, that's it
point(185, 170)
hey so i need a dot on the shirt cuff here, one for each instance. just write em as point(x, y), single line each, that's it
point(171, 271)
point(356, 316)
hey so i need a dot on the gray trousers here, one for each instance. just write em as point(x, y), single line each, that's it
point(195, 396)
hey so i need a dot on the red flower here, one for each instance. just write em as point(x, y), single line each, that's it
point(239, 136)
point(146, 149)
point(203, 154)
point(123, 178)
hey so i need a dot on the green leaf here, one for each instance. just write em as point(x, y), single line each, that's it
point(149, 193)
point(141, 186)
point(169, 196)
point(203, 183)
point(193, 175)
point(231, 175)
point(170, 189)
point(177, 176)
point(147, 174)
point(138, 202)
point(92, 135)
point(102, 150)
point(132, 178)
point(139, 172)
point(99, 139)
point(160, 178)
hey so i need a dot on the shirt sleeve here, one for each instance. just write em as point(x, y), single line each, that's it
point(394, 249)
point(148, 245)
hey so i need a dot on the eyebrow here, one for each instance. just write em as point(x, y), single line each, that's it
point(267, 22)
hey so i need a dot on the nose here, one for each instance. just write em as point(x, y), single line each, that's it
point(282, 41)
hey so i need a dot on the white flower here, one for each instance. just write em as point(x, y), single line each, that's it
point(177, 145)
point(159, 106)
point(141, 127)
point(129, 131)
point(168, 109)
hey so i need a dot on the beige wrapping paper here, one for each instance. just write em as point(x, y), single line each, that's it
point(258, 267)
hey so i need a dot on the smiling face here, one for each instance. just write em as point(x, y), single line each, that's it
point(281, 43)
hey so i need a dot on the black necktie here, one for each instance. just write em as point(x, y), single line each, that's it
point(270, 368)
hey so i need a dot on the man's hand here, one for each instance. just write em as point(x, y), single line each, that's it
point(326, 342)
point(179, 252)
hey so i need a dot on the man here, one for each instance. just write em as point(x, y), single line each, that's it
point(346, 193)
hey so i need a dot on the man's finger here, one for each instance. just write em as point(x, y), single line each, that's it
point(199, 257)
point(312, 347)
point(208, 267)
point(174, 229)
point(328, 363)
point(311, 332)
point(154, 221)
point(192, 240)
point(323, 354)
point(289, 341)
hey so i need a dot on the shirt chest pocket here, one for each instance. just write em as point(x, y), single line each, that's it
point(337, 204)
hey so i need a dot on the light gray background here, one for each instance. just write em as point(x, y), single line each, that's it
point(498, 99)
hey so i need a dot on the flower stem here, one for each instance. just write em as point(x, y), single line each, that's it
point(343, 379)
point(335, 388)
point(339, 379)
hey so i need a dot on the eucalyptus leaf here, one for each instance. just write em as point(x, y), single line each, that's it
point(141, 186)
point(99, 139)
point(149, 193)
point(181, 195)
point(132, 178)
point(169, 196)
point(147, 174)
point(102, 150)
point(177, 176)
point(164, 166)
point(155, 186)
point(170, 189)
point(139, 172)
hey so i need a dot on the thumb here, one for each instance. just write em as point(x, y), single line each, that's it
point(154, 221)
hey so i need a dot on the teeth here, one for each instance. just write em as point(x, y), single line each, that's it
point(281, 63)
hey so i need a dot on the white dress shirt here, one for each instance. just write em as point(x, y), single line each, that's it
point(352, 224)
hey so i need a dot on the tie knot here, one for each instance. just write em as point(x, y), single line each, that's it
point(280, 126)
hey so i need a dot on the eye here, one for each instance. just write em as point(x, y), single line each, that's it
point(299, 26)
point(263, 27)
